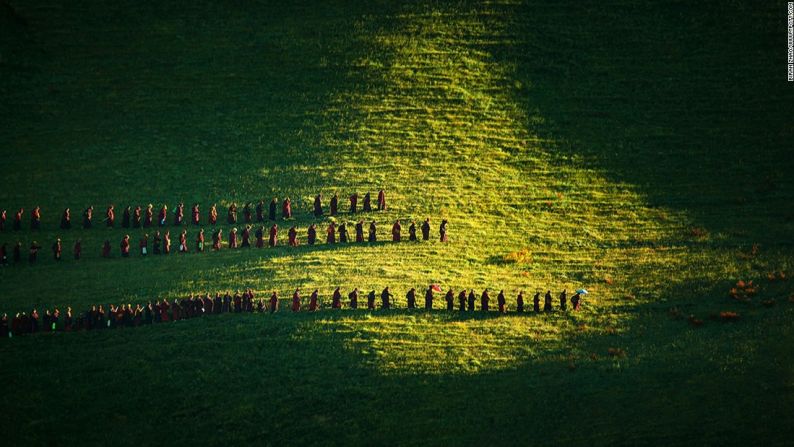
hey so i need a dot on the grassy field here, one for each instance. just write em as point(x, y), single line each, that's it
point(637, 149)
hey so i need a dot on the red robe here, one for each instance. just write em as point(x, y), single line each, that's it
point(273, 236)
point(162, 216)
point(110, 217)
point(213, 217)
point(293, 237)
point(196, 215)
point(166, 244)
point(296, 302)
point(336, 301)
point(313, 301)
point(125, 247)
point(200, 242)
point(331, 234)
point(273, 302)
point(233, 239)
point(395, 232)
point(182, 243)
point(286, 209)
point(381, 200)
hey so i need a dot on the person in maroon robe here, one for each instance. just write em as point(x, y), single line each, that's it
point(217, 240)
point(273, 302)
point(3, 217)
point(260, 237)
point(385, 297)
point(106, 249)
point(167, 242)
point(410, 298)
point(195, 214)
point(520, 302)
point(136, 217)
point(462, 300)
point(373, 236)
point(547, 305)
point(246, 237)
point(334, 204)
point(273, 236)
point(293, 236)
point(331, 232)
point(426, 230)
point(442, 231)
point(231, 217)
point(233, 238)
point(238, 302)
point(366, 205)
point(272, 209)
point(66, 219)
point(35, 219)
point(371, 300)
point(212, 217)
point(56, 249)
point(183, 242)
point(88, 215)
point(162, 215)
point(125, 246)
point(148, 216)
point(311, 234)
point(77, 250)
point(336, 299)
point(360, 231)
point(395, 231)
point(179, 214)
point(318, 205)
point(343, 233)
point(353, 296)
point(576, 301)
point(286, 209)
point(143, 245)
point(484, 300)
point(247, 213)
point(260, 211)
point(18, 252)
point(381, 200)
point(313, 304)
point(412, 231)
point(564, 300)
point(450, 299)
point(296, 301)
point(165, 314)
point(353, 203)
point(536, 302)
point(110, 216)
point(18, 219)
point(501, 302)
point(200, 241)
point(429, 298)
point(126, 217)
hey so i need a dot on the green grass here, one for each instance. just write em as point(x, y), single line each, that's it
point(637, 150)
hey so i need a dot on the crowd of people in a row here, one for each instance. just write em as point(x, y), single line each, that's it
point(161, 311)
point(161, 243)
point(144, 217)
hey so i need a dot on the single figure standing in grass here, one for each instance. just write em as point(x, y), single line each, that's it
point(384, 298)
point(373, 236)
point(296, 301)
point(381, 200)
point(110, 216)
point(366, 205)
point(162, 216)
point(501, 302)
point(88, 215)
point(429, 298)
point(125, 246)
point(450, 299)
point(334, 204)
point(442, 231)
point(143, 245)
point(260, 211)
point(200, 241)
point(536, 303)
point(318, 205)
point(231, 217)
point(410, 298)
point(395, 231)
point(336, 299)
point(426, 230)
point(484, 300)
point(126, 217)
point(353, 202)
point(564, 300)
point(520, 302)
point(56, 250)
point(212, 217)
point(136, 217)
point(233, 238)
point(343, 238)
point(35, 218)
point(260, 237)
point(66, 219)
point(311, 236)
point(360, 231)
point(547, 306)
point(286, 209)
point(462, 300)
point(331, 234)
point(353, 296)
point(313, 305)
point(273, 207)
point(292, 236)
point(273, 238)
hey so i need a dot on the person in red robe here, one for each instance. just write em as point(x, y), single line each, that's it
point(195, 214)
point(462, 300)
point(311, 234)
point(336, 299)
point(200, 241)
point(575, 301)
point(353, 296)
point(35, 218)
point(343, 233)
point(163, 215)
point(247, 213)
point(66, 219)
point(385, 298)
point(331, 232)
point(106, 249)
point(381, 200)
point(484, 300)
point(360, 231)
point(450, 299)
point(395, 231)
point(286, 209)
point(233, 238)
point(165, 315)
point(110, 216)
point(426, 230)
point(296, 301)
point(125, 246)
point(313, 305)
point(143, 245)
point(353, 203)
point(217, 239)
point(547, 306)
point(77, 250)
point(442, 231)
point(520, 302)
point(366, 205)
point(273, 302)
point(293, 236)
point(3, 217)
point(18, 219)
point(167, 242)
point(273, 238)
point(232, 214)
point(410, 298)
point(212, 218)
point(88, 215)
point(183, 241)
point(318, 205)
point(136, 217)
point(260, 211)
point(260, 237)
point(501, 302)
point(429, 298)
point(126, 217)
point(246, 236)
point(179, 214)
point(536, 302)
point(148, 216)
point(56, 249)
point(334, 204)
point(373, 235)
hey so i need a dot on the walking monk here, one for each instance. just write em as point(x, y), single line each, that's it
point(77, 249)
point(200, 241)
point(366, 204)
point(273, 206)
point(520, 302)
point(500, 302)
point(426, 230)
point(286, 209)
point(313, 301)
point(331, 231)
point(395, 231)
point(195, 214)
point(318, 205)
point(88, 214)
point(384, 299)
point(18, 219)
point(353, 203)
point(35, 218)
point(484, 300)
point(381, 200)
point(292, 234)
point(182, 242)
point(410, 298)
point(143, 245)
point(273, 238)
point(296, 301)
point(547, 306)
point(125, 246)
point(371, 300)
point(260, 237)
point(442, 231)
point(231, 216)
point(56, 250)
point(450, 299)
point(336, 299)
point(136, 217)
point(126, 217)
point(373, 237)
point(260, 211)
point(536, 302)
point(66, 219)
point(212, 217)
point(246, 236)
point(311, 234)
point(462, 300)
point(148, 216)
point(334, 204)
point(429, 298)
point(179, 214)
point(353, 296)
point(162, 215)
point(412, 232)
point(233, 238)
point(343, 233)
point(273, 302)
point(360, 231)
point(110, 216)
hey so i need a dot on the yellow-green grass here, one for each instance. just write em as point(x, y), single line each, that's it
point(638, 151)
